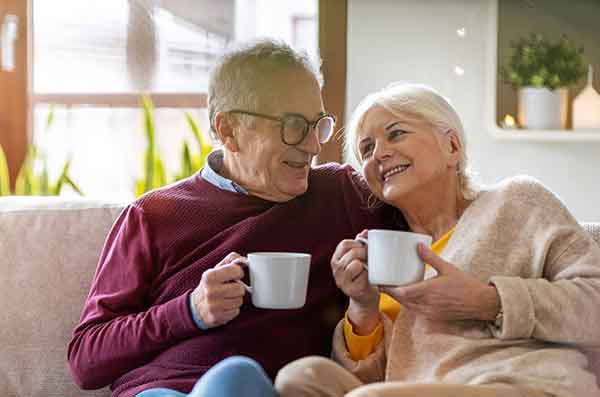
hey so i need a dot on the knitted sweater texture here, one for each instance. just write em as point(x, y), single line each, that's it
point(136, 330)
point(520, 237)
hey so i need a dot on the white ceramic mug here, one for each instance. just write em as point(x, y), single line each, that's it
point(393, 258)
point(278, 280)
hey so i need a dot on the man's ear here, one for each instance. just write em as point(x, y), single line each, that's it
point(225, 128)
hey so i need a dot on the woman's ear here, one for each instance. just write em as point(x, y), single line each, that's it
point(225, 128)
point(454, 147)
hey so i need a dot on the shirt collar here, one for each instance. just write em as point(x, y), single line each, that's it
point(210, 173)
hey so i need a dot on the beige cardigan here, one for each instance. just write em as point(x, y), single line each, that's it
point(520, 237)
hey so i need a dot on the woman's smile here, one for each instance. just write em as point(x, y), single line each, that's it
point(390, 172)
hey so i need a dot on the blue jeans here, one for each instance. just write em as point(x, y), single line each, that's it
point(233, 377)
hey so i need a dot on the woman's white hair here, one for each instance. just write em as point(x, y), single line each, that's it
point(243, 77)
point(422, 101)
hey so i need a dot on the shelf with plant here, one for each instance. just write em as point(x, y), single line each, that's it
point(541, 71)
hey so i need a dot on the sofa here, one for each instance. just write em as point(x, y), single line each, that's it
point(49, 249)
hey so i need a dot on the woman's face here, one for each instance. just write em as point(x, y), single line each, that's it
point(404, 155)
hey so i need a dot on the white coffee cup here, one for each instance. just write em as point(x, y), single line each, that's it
point(278, 279)
point(393, 258)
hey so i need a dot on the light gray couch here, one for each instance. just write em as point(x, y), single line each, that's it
point(49, 249)
point(48, 253)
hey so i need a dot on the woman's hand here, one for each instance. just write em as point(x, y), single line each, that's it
point(348, 265)
point(451, 295)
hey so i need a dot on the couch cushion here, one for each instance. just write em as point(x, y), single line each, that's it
point(49, 249)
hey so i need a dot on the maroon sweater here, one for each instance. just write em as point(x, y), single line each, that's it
point(136, 330)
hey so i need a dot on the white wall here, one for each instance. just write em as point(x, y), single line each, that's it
point(416, 40)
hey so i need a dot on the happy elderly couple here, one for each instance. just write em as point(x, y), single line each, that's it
point(506, 312)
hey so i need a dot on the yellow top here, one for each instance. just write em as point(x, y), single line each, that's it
point(359, 346)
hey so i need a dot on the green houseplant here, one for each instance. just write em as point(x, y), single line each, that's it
point(541, 70)
point(191, 161)
point(33, 178)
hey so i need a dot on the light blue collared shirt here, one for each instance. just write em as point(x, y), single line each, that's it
point(213, 164)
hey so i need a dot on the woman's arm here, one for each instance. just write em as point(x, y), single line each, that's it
point(372, 368)
point(562, 307)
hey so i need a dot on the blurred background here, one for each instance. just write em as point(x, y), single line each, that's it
point(73, 74)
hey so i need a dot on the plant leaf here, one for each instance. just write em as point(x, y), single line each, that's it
point(50, 118)
point(204, 149)
point(4, 174)
point(73, 185)
point(61, 179)
point(186, 162)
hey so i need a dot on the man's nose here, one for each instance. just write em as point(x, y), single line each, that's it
point(310, 143)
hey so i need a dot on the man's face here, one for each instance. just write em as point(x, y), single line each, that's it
point(267, 167)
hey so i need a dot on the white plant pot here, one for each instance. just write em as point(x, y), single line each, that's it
point(541, 108)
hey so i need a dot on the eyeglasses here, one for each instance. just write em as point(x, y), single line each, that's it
point(295, 127)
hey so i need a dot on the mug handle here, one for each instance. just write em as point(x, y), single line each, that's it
point(364, 242)
point(242, 260)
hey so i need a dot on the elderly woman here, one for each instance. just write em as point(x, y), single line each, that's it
point(512, 293)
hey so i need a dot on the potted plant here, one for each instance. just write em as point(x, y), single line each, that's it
point(541, 71)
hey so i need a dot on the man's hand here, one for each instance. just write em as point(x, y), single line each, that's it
point(451, 295)
point(218, 298)
point(348, 266)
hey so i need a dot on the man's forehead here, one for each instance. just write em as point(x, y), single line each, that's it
point(291, 92)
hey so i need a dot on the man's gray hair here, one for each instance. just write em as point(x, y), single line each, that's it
point(420, 100)
point(241, 78)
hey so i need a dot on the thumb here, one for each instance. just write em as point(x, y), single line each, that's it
point(363, 234)
point(231, 257)
point(433, 260)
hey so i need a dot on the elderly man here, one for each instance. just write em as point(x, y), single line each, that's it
point(164, 306)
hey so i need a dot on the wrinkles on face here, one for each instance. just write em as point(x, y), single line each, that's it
point(265, 166)
point(401, 154)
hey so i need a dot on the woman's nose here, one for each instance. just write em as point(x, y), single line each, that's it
point(381, 150)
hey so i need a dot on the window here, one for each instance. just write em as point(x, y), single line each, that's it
point(92, 61)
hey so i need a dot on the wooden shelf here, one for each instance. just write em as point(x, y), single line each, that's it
point(545, 135)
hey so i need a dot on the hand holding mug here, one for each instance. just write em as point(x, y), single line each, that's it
point(348, 265)
point(218, 298)
point(452, 295)
point(393, 258)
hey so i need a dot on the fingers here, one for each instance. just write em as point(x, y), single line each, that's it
point(227, 305)
point(344, 247)
point(224, 291)
point(229, 258)
point(218, 304)
point(222, 273)
point(359, 286)
point(347, 275)
point(414, 291)
point(356, 251)
point(363, 234)
point(429, 257)
point(217, 299)
point(348, 267)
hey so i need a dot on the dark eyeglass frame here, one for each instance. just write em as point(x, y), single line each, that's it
point(282, 119)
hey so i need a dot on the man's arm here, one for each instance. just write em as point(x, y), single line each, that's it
point(118, 331)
